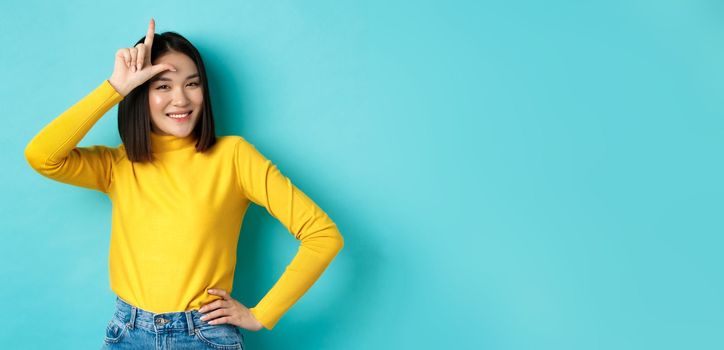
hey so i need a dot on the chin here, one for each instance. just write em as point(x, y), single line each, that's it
point(175, 129)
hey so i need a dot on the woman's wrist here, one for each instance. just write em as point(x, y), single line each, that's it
point(118, 87)
point(257, 325)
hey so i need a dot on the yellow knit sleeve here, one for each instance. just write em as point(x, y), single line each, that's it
point(53, 152)
point(320, 240)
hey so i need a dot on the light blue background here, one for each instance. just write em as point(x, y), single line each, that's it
point(507, 175)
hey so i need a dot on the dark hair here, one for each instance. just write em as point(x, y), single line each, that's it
point(134, 114)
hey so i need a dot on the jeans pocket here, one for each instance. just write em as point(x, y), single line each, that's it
point(115, 331)
point(223, 336)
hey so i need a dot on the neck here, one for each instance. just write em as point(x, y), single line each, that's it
point(164, 143)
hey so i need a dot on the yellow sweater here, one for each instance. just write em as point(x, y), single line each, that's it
point(176, 221)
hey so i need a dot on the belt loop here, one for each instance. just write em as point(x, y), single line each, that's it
point(132, 322)
point(190, 321)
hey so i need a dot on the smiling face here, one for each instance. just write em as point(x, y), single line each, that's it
point(172, 95)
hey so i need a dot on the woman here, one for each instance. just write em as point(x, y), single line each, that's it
point(179, 195)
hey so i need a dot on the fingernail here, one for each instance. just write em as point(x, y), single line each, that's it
point(211, 290)
point(138, 66)
point(133, 68)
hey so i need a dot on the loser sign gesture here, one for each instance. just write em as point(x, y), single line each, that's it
point(133, 64)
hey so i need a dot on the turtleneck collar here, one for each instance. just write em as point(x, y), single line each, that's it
point(164, 143)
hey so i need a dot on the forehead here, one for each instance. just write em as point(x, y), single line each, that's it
point(185, 67)
point(174, 57)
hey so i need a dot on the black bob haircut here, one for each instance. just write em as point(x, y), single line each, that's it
point(134, 114)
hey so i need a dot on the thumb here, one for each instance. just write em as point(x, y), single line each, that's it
point(161, 67)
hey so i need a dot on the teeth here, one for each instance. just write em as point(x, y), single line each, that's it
point(178, 116)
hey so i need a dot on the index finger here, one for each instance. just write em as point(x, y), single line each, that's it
point(148, 41)
point(220, 292)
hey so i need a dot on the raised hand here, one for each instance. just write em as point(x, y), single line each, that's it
point(133, 64)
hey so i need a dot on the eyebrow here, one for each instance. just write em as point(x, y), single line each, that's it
point(167, 79)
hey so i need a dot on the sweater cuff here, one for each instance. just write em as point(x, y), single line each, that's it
point(265, 321)
point(109, 89)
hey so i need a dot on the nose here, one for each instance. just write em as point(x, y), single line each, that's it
point(179, 97)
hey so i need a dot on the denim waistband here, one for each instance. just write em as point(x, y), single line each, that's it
point(165, 322)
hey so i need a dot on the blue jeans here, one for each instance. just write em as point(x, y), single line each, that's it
point(135, 328)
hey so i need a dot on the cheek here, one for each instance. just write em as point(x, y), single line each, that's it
point(157, 105)
point(197, 97)
point(156, 102)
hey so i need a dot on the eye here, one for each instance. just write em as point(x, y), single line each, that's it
point(162, 86)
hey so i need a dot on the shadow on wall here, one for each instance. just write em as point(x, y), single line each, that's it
point(351, 301)
point(348, 307)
